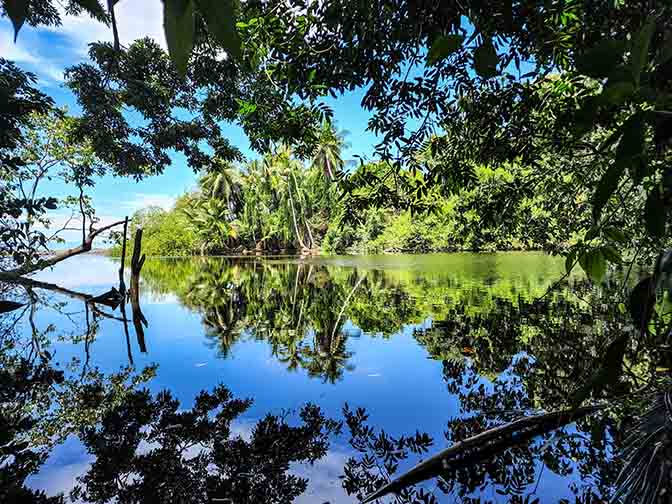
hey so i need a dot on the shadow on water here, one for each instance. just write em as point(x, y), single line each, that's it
point(371, 363)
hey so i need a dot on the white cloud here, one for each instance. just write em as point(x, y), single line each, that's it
point(14, 52)
point(138, 201)
point(135, 19)
point(21, 52)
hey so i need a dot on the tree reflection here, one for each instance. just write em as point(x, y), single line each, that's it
point(148, 449)
point(503, 357)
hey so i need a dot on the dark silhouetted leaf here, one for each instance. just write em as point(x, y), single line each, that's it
point(17, 11)
point(640, 48)
point(655, 213)
point(444, 46)
point(486, 60)
point(608, 373)
point(600, 60)
point(611, 254)
point(178, 23)
point(617, 93)
point(606, 187)
point(615, 234)
point(220, 18)
point(642, 302)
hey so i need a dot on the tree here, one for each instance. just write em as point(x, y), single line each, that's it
point(48, 151)
point(327, 154)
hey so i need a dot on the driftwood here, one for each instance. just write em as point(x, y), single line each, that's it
point(482, 446)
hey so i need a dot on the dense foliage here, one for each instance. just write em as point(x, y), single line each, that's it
point(279, 204)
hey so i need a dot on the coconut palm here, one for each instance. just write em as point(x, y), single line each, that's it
point(327, 154)
point(211, 222)
point(221, 182)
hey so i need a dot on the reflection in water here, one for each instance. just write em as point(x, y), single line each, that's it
point(436, 349)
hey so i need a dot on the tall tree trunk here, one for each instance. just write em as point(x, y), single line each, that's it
point(291, 204)
point(303, 214)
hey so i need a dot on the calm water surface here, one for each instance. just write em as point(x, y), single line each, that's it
point(285, 332)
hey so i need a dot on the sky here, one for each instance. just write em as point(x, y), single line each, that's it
point(48, 51)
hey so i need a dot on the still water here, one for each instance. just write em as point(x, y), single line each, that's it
point(383, 333)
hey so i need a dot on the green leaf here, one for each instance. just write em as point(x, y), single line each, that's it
point(17, 11)
point(631, 148)
point(615, 234)
point(94, 8)
point(442, 47)
point(642, 301)
point(608, 373)
point(632, 141)
point(178, 24)
point(486, 60)
point(220, 18)
point(655, 213)
point(616, 93)
point(606, 187)
point(640, 48)
point(594, 264)
point(599, 61)
point(611, 254)
point(593, 232)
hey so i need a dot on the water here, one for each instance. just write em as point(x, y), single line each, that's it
point(373, 332)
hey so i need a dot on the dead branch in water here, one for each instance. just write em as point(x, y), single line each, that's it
point(137, 261)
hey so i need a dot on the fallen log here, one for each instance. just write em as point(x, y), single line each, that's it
point(481, 446)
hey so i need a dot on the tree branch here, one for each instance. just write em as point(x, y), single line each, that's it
point(60, 256)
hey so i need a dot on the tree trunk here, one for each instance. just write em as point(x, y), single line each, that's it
point(291, 204)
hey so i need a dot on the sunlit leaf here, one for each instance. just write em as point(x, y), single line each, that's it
point(594, 264)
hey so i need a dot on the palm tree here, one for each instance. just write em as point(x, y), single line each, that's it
point(221, 183)
point(210, 221)
point(327, 154)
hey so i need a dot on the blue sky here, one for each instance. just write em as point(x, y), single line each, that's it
point(48, 51)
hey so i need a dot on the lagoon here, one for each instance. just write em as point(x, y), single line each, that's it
point(391, 334)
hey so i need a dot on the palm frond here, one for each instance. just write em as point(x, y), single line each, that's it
point(647, 452)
